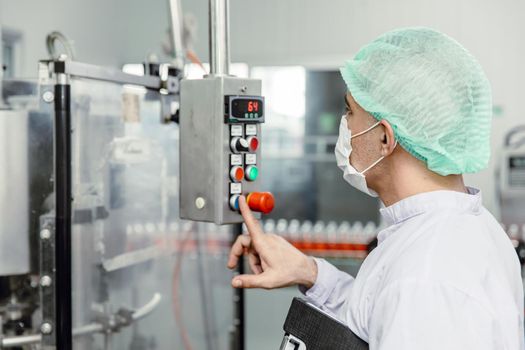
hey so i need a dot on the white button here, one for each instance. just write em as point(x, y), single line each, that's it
point(251, 129)
point(235, 188)
point(236, 130)
point(200, 202)
point(238, 145)
point(251, 159)
point(235, 159)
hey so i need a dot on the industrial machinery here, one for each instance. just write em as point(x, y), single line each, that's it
point(512, 180)
point(92, 239)
point(108, 177)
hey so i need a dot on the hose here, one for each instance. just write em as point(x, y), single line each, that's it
point(51, 48)
point(82, 330)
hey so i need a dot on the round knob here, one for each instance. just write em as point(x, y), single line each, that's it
point(251, 172)
point(237, 173)
point(234, 202)
point(261, 201)
point(238, 145)
point(253, 143)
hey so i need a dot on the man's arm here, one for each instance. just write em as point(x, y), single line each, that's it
point(331, 290)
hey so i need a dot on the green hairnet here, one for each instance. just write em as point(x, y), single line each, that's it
point(433, 93)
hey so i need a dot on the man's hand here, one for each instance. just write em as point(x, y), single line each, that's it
point(275, 263)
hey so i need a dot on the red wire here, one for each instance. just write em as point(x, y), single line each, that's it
point(175, 294)
point(192, 56)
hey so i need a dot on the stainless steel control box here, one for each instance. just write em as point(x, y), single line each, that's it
point(207, 159)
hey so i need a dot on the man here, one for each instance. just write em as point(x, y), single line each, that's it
point(444, 274)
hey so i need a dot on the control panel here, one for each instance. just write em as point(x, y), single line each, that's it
point(220, 149)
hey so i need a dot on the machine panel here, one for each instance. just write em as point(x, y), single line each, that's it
point(220, 156)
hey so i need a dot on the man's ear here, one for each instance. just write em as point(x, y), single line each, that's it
point(388, 141)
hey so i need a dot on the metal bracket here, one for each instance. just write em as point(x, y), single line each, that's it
point(168, 84)
point(292, 343)
point(47, 280)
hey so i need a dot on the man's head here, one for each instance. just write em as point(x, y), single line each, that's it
point(370, 146)
point(428, 93)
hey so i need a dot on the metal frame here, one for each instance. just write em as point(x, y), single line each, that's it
point(47, 280)
point(238, 301)
point(63, 210)
point(56, 249)
point(219, 35)
point(167, 84)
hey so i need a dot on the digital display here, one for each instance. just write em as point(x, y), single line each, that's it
point(245, 109)
point(517, 162)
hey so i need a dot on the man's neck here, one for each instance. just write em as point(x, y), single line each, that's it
point(409, 181)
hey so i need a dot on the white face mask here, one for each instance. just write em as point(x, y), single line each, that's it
point(343, 148)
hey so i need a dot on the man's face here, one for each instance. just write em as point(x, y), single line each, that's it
point(366, 148)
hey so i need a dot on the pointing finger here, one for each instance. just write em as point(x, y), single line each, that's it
point(251, 222)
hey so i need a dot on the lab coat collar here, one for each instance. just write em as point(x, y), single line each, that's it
point(432, 201)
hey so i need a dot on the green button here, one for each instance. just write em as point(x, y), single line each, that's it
point(254, 172)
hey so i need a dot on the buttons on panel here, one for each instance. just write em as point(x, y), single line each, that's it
point(237, 173)
point(243, 166)
point(260, 201)
point(234, 202)
point(251, 173)
point(239, 144)
point(253, 143)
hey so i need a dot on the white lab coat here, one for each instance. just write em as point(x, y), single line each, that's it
point(443, 276)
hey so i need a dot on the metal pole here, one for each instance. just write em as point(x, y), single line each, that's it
point(1, 69)
point(63, 213)
point(238, 300)
point(219, 37)
point(176, 19)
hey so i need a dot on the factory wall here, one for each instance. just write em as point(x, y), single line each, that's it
point(274, 32)
point(104, 32)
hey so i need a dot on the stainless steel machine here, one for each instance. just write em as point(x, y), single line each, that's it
point(220, 148)
point(99, 167)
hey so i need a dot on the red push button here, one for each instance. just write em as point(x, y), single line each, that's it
point(237, 173)
point(261, 202)
point(253, 143)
